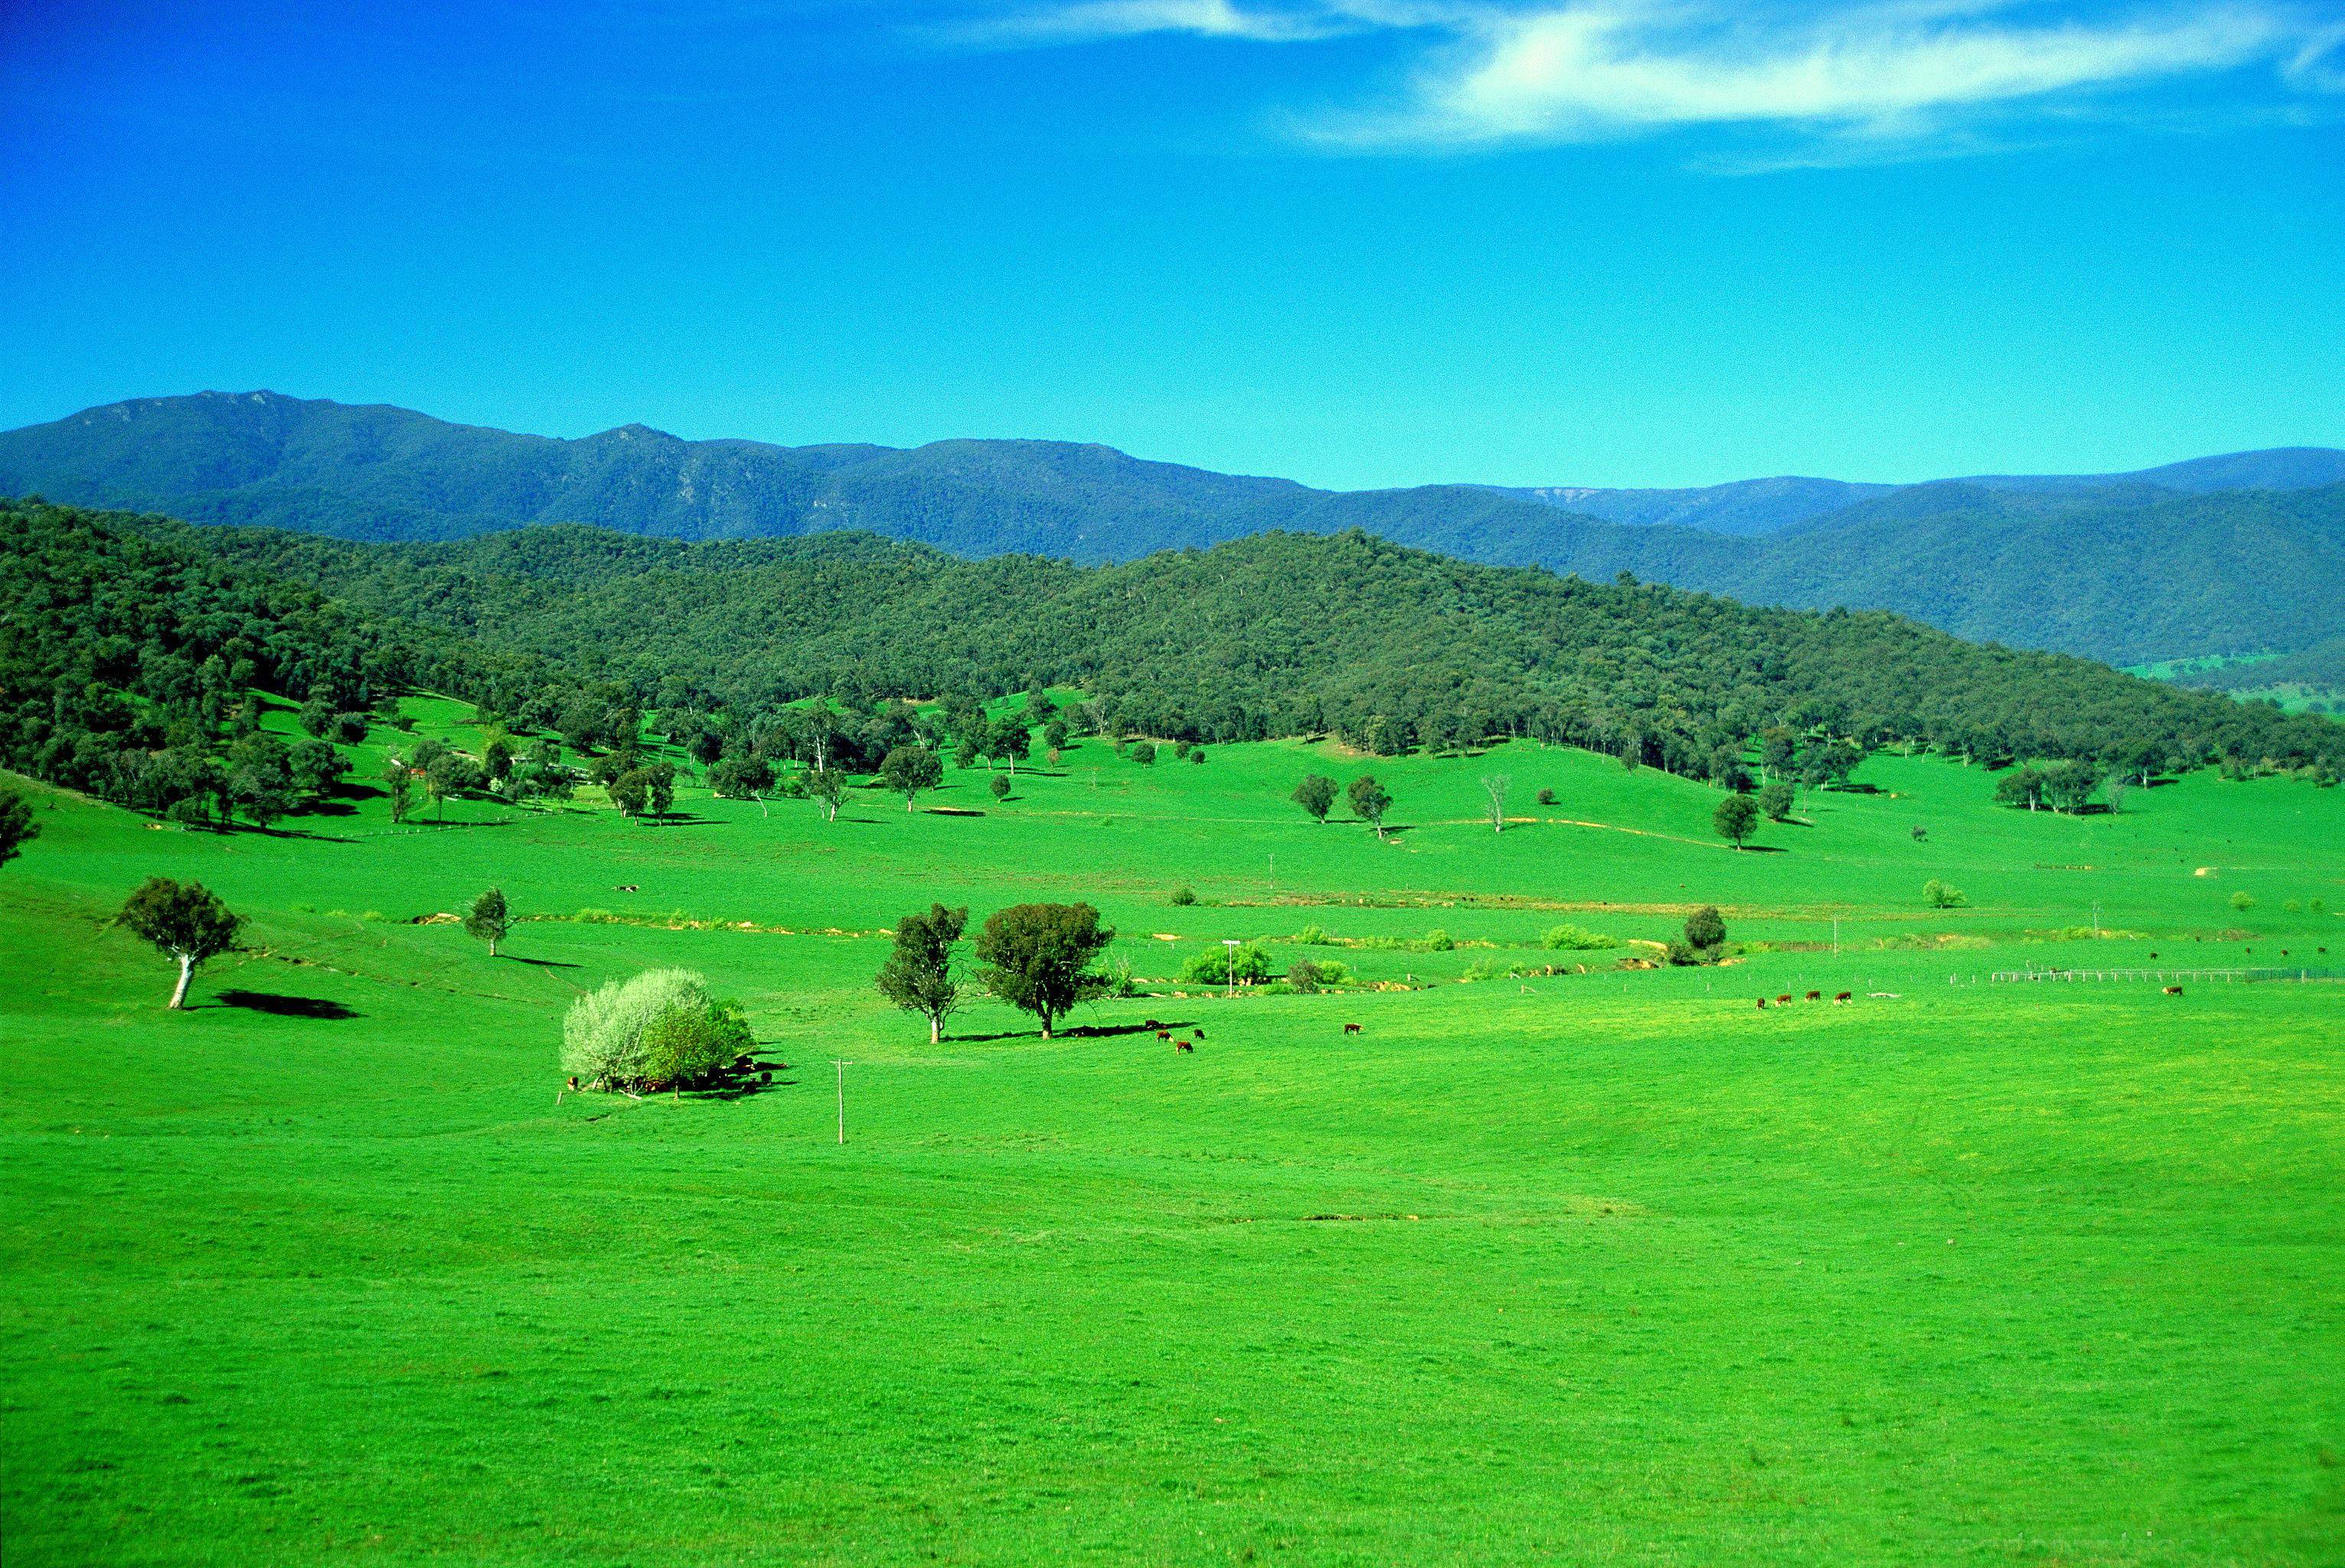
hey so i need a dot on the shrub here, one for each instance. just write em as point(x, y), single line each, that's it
point(602, 1039)
point(1940, 895)
point(1437, 941)
point(2243, 901)
point(1198, 755)
point(1311, 936)
point(683, 1046)
point(1184, 895)
point(1181, 749)
point(1547, 797)
point(1685, 954)
point(1705, 929)
point(1308, 975)
point(1569, 938)
point(999, 785)
point(1144, 752)
point(1213, 966)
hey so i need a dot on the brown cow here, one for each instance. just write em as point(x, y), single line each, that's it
point(1182, 1045)
point(1351, 1029)
point(1153, 1024)
point(1839, 997)
point(1815, 997)
point(1783, 1000)
point(1762, 1004)
point(2174, 991)
point(1199, 1034)
point(1165, 1035)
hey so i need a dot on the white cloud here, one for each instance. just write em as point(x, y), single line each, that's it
point(1585, 71)
point(1907, 77)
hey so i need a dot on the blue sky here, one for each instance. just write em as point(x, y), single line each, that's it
point(1357, 242)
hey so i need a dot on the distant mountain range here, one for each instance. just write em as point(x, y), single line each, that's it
point(1748, 506)
point(2217, 556)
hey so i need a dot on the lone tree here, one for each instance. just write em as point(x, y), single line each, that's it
point(1776, 800)
point(1370, 800)
point(17, 825)
point(1009, 739)
point(1736, 818)
point(631, 791)
point(1495, 785)
point(1705, 929)
point(1037, 957)
point(1316, 795)
point(486, 919)
point(184, 920)
point(998, 786)
point(920, 975)
point(911, 770)
point(827, 787)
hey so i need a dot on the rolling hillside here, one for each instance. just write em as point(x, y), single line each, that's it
point(2218, 555)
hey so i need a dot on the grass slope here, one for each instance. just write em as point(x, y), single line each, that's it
point(1606, 1266)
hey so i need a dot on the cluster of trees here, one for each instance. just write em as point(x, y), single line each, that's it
point(2067, 786)
point(1369, 800)
point(1703, 940)
point(1037, 957)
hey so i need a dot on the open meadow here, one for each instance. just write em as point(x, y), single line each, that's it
point(1602, 1264)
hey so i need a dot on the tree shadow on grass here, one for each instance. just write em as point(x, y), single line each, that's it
point(539, 962)
point(284, 1006)
point(1070, 1031)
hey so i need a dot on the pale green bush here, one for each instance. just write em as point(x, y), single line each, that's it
point(1569, 938)
point(603, 1037)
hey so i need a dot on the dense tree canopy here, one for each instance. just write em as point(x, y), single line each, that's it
point(127, 673)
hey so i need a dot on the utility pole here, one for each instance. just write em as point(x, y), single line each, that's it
point(2096, 919)
point(1231, 942)
point(842, 1098)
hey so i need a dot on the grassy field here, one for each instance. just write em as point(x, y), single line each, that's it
point(1601, 1267)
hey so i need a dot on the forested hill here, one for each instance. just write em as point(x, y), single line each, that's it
point(1272, 635)
point(2168, 564)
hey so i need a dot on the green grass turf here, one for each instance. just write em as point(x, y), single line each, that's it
point(1602, 1267)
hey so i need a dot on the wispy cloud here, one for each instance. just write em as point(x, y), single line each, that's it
point(1891, 78)
point(1130, 18)
point(1607, 70)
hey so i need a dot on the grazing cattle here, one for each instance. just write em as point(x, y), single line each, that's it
point(1762, 1004)
point(1165, 1035)
point(2174, 991)
point(1183, 1046)
point(2153, 955)
point(1839, 997)
point(573, 1082)
point(1199, 1032)
point(1815, 997)
point(1153, 1024)
point(1351, 1029)
point(626, 888)
point(1783, 1000)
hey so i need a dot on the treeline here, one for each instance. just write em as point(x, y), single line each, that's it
point(578, 631)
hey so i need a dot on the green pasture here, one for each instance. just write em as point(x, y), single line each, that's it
point(1602, 1267)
